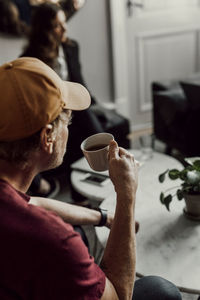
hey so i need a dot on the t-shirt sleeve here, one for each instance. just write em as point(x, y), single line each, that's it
point(67, 271)
point(86, 278)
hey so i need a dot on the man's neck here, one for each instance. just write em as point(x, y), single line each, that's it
point(19, 178)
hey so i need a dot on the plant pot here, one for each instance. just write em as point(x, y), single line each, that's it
point(192, 206)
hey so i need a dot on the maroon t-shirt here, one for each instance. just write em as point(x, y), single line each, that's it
point(41, 257)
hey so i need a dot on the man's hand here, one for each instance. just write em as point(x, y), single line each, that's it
point(123, 169)
point(121, 246)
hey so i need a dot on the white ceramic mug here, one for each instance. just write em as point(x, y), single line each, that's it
point(95, 149)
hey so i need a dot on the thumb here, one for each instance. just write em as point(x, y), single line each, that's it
point(113, 150)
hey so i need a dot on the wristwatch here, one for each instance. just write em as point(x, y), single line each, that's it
point(103, 216)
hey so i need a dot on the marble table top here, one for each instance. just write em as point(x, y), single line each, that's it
point(168, 244)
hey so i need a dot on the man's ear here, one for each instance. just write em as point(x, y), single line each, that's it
point(46, 139)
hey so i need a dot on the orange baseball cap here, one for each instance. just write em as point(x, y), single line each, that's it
point(33, 95)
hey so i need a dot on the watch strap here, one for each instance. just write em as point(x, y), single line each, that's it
point(104, 215)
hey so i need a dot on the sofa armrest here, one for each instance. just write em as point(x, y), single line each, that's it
point(175, 120)
point(170, 104)
point(170, 108)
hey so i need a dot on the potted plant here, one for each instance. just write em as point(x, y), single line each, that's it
point(188, 189)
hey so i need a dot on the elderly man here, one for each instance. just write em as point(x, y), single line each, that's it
point(42, 257)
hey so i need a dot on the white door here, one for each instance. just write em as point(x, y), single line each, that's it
point(152, 40)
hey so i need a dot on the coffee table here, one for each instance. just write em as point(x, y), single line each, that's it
point(168, 244)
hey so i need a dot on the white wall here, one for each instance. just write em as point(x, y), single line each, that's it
point(10, 48)
point(90, 27)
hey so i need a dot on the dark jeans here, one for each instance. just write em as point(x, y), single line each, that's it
point(155, 288)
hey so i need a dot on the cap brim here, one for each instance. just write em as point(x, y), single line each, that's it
point(75, 96)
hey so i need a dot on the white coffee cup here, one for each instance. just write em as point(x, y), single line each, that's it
point(95, 149)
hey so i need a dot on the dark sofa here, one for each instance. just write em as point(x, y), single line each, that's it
point(176, 115)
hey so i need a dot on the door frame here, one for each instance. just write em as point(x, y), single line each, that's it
point(119, 55)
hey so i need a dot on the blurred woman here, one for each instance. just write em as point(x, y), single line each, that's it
point(49, 42)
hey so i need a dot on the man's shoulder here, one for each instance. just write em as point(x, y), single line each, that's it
point(35, 222)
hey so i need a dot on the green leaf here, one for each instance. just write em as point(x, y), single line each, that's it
point(179, 194)
point(161, 177)
point(162, 198)
point(174, 174)
point(197, 165)
point(183, 174)
point(167, 201)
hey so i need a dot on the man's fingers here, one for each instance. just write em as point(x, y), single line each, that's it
point(123, 151)
point(117, 152)
point(113, 150)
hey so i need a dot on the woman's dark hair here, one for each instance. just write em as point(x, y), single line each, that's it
point(42, 43)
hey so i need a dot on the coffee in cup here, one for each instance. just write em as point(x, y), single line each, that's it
point(95, 149)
